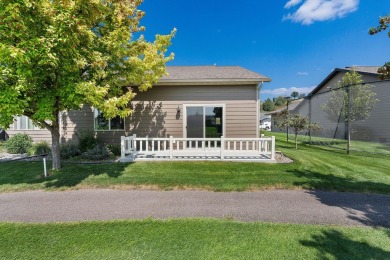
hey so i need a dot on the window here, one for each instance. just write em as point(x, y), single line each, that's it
point(204, 121)
point(101, 123)
point(24, 123)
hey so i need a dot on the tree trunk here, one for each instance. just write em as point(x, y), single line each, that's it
point(296, 141)
point(55, 148)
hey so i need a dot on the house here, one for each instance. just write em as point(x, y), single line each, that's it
point(192, 101)
point(374, 128)
point(291, 104)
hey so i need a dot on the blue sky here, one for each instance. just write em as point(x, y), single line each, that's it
point(297, 43)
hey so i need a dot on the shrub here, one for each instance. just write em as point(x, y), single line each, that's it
point(99, 152)
point(87, 140)
point(69, 150)
point(115, 149)
point(18, 143)
point(39, 148)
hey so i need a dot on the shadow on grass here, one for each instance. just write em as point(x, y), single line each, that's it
point(333, 244)
point(70, 175)
point(368, 209)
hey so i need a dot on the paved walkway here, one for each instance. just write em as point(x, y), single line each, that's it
point(311, 207)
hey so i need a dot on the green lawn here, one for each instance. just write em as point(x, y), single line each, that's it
point(190, 239)
point(314, 168)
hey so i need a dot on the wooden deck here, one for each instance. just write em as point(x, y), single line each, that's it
point(197, 149)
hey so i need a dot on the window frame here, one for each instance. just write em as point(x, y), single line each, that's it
point(18, 122)
point(109, 123)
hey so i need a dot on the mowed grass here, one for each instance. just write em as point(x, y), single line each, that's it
point(190, 239)
point(313, 168)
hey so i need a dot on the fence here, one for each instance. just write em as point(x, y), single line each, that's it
point(235, 149)
point(359, 113)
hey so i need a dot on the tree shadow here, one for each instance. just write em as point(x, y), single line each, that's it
point(332, 244)
point(70, 175)
point(148, 119)
point(368, 209)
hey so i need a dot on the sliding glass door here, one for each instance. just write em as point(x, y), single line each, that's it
point(204, 121)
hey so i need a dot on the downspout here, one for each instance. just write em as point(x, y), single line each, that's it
point(259, 86)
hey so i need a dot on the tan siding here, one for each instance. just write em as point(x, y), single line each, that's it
point(155, 112)
point(37, 135)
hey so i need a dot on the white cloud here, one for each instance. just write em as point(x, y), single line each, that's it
point(286, 91)
point(292, 3)
point(301, 73)
point(312, 11)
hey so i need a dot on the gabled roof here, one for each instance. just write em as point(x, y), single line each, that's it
point(211, 74)
point(291, 106)
point(368, 70)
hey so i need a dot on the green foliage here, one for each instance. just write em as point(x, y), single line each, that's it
point(268, 105)
point(280, 101)
point(19, 143)
point(39, 148)
point(362, 99)
point(384, 71)
point(58, 55)
point(115, 149)
point(69, 150)
point(294, 122)
point(87, 140)
point(99, 152)
point(294, 94)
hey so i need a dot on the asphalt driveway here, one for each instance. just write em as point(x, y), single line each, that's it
point(309, 207)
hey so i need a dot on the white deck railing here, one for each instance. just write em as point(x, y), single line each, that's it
point(133, 147)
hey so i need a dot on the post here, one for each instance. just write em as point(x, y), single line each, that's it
point(222, 147)
point(123, 147)
point(273, 148)
point(170, 147)
point(44, 167)
point(348, 120)
point(288, 101)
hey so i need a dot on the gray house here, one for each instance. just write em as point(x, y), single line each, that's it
point(374, 128)
point(192, 101)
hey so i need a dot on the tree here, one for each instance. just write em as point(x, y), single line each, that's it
point(350, 101)
point(384, 71)
point(362, 99)
point(296, 122)
point(58, 55)
point(268, 105)
point(280, 101)
point(294, 94)
point(302, 95)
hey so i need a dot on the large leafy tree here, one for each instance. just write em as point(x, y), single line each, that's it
point(57, 55)
point(384, 22)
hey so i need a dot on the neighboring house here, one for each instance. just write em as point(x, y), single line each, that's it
point(290, 106)
point(265, 122)
point(192, 101)
point(375, 128)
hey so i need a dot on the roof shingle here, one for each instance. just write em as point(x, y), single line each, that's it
point(212, 73)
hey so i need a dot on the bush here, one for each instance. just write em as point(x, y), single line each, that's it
point(99, 152)
point(19, 143)
point(69, 150)
point(39, 148)
point(115, 149)
point(87, 140)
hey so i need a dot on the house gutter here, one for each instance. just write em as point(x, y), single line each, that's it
point(259, 86)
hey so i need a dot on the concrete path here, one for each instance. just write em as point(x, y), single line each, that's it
point(311, 207)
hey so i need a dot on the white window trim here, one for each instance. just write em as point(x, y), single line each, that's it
point(18, 125)
point(204, 114)
point(109, 125)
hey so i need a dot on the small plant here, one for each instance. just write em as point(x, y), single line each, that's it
point(115, 149)
point(19, 143)
point(87, 140)
point(39, 148)
point(69, 150)
point(99, 152)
